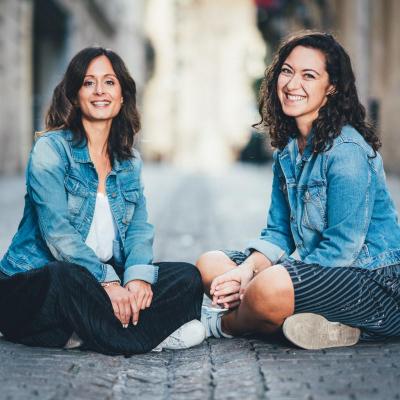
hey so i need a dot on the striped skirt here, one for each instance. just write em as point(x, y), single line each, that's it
point(366, 299)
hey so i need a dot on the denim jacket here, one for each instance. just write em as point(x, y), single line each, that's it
point(334, 207)
point(61, 186)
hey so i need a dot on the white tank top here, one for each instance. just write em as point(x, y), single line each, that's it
point(102, 231)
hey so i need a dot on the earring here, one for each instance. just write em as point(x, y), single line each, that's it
point(122, 100)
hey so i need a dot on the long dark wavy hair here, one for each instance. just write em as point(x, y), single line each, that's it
point(342, 107)
point(64, 112)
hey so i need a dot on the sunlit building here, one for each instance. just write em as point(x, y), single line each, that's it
point(199, 104)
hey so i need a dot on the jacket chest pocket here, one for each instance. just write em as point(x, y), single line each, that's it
point(314, 208)
point(131, 198)
point(77, 193)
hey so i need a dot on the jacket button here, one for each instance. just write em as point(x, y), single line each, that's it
point(114, 195)
point(292, 218)
point(299, 244)
point(307, 195)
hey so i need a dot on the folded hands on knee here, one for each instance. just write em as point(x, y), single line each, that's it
point(129, 300)
point(227, 290)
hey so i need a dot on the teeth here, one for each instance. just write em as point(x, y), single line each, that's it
point(294, 97)
point(101, 103)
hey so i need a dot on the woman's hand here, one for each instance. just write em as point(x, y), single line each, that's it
point(142, 293)
point(227, 289)
point(124, 304)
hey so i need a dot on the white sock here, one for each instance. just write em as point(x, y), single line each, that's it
point(219, 329)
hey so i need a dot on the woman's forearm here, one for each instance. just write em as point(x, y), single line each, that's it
point(257, 262)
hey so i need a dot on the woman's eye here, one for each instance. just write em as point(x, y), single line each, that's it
point(286, 71)
point(88, 83)
point(309, 76)
point(110, 82)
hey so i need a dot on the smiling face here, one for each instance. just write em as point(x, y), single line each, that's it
point(303, 85)
point(100, 96)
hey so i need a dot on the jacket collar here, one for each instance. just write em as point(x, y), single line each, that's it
point(290, 148)
point(80, 153)
point(121, 165)
point(308, 150)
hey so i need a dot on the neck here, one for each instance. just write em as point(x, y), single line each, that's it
point(97, 135)
point(304, 123)
point(304, 128)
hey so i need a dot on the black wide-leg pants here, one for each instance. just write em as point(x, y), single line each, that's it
point(43, 307)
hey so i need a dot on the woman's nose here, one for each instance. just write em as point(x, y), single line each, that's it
point(293, 83)
point(99, 88)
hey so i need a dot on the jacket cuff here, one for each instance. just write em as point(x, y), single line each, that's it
point(273, 252)
point(144, 272)
point(111, 275)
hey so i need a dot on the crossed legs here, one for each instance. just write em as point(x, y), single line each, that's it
point(267, 301)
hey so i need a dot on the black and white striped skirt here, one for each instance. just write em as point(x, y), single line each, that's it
point(366, 299)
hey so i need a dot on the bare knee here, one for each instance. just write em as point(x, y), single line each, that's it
point(206, 259)
point(212, 264)
point(270, 296)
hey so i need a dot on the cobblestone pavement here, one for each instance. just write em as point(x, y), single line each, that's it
point(194, 213)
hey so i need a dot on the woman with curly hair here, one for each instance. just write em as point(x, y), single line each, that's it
point(330, 202)
point(79, 272)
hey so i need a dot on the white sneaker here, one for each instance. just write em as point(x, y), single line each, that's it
point(73, 342)
point(188, 335)
point(211, 319)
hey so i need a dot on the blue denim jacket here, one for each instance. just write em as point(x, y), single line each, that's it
point(61, 186)
point(333, 207)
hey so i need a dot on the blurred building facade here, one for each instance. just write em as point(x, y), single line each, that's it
point(370, 32)
point(199, 105)
point(37, 40)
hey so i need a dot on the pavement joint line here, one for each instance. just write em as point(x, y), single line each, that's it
point(170, 375)
point(213, 371)
point(260, 370)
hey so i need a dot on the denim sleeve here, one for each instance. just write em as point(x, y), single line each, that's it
point(276, 241)
point(45, 186)
point(139, 245)
point(351, 190)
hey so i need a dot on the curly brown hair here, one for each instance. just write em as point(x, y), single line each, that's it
point(65, 114)
point(342, 107)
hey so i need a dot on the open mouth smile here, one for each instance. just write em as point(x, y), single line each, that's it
point(100, 103)
point(294, 97)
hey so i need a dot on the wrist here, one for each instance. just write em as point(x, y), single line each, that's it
point(249, 266)
point(111, 283)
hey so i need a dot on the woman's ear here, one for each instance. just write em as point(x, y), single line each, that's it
point(331, 90)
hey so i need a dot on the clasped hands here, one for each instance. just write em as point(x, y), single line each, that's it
point(227, 290)
point(128, 301)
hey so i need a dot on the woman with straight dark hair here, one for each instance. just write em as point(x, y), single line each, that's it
point(79, 271)
point(330, 202)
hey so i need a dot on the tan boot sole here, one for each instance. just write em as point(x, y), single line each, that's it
point(312, 331)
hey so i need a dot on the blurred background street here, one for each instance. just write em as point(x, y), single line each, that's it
point(198, 65)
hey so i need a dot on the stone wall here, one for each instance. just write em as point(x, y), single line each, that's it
point(35, 52)
point(370, 31)
point(15, 81)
